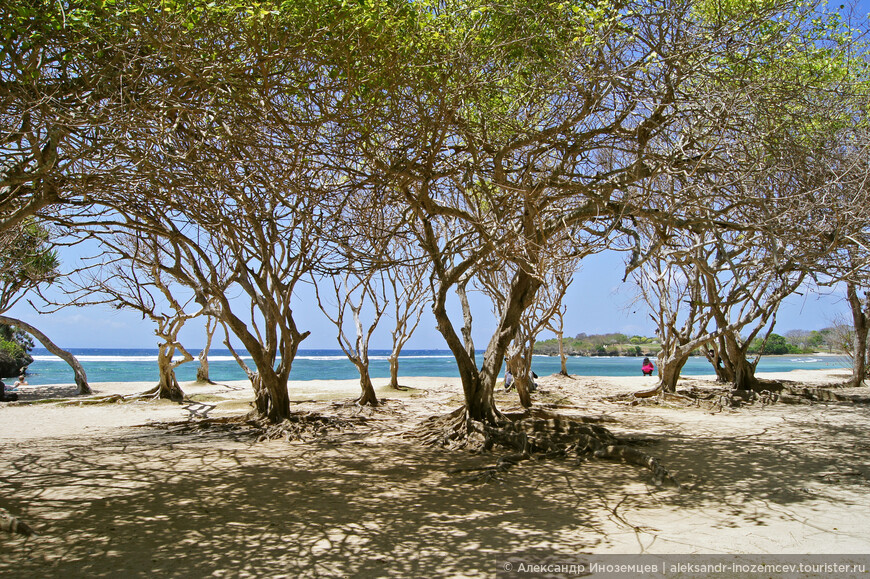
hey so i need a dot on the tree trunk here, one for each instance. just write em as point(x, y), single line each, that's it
point(481, 405)
point(167, 387)
point(860, 314)
point(723, 372)
point(477, 385)
point(202, 371)
point(368, 396)
point(394, 371)
point(740, 369)
point(562, 357)
point(80, 376)
point(270, 399)
point(521, 374)
point(669, 370)
point(261, 395)
point(522, 294)
point(467, 319)
point(744, 374)
point(478, 405)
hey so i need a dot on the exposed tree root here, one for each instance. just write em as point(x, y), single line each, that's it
point(110, 399)
point(353, 409)
point(147, 396)
point(765, 393)
point(649, 393)
point(533, 433)
point(14, 525)
point(302, 426)
point(176, 395)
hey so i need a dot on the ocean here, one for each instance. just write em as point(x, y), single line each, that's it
point(126, 365)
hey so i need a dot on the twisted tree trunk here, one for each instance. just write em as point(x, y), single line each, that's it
point(860, 314)
point(368, 396)
point(167, 386)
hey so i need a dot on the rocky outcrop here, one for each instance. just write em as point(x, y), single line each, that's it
point(10, 367)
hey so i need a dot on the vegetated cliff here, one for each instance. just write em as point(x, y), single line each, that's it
point(601, 345)
point(15, 347)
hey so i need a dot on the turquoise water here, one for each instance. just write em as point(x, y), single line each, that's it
point(141, 365)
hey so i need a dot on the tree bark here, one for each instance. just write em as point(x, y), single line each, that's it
point(202, 371)
point(724, 373)
point(271, 400)
point(80, 376)
point(740, 369)
point(368, 396)
point(521, 295)
point(860, 314)
point(467, 319)
point(394, 370)
point(167, 387)
point(744, 375)
point(669, 370)
point(562, 357)
point(521, 373)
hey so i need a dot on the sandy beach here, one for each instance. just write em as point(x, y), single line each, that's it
point(146, 488)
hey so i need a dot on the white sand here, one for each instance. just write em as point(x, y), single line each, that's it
point(112, 492)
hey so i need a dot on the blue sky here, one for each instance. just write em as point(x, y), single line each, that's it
point(597, 302)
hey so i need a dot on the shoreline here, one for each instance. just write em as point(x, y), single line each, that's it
point(813, 374)
point(43, 411)
point(336, 366)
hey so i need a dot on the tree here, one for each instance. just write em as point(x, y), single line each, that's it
point(713, 289)
point(211, 324)
point(557, 326)
point(514, 167)
point(81, 377)
point(354, 292)
point(860, 309)
point(405, 283)
point(129, 274)
point(29, 261)
point(223, 160)
point(548, 301)
point(64, 72)
point(672, 294)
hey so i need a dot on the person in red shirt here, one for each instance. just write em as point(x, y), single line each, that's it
point(647, 367)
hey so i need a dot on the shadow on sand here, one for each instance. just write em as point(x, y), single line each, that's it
point(147, 502)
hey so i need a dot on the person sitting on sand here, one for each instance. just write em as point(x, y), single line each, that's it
point(509, 381)
point(6, 397)
point(22, 381)
point(647, 367)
